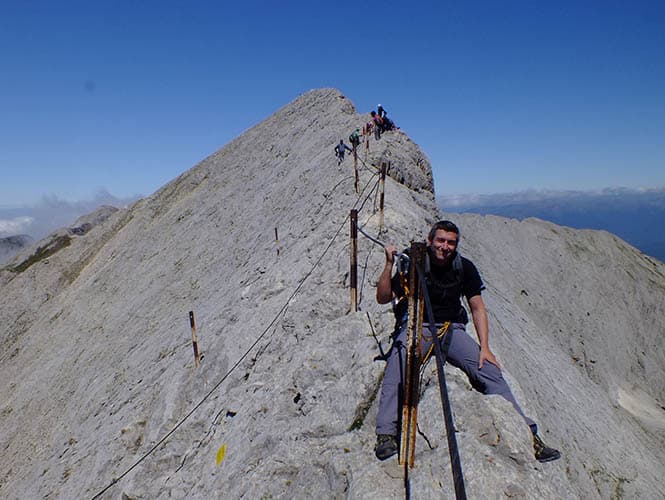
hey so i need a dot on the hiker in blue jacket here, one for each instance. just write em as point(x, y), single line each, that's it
point(339, 151)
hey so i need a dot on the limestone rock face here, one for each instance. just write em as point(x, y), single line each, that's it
point(100, 393)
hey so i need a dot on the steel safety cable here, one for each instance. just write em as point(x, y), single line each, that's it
point(369, 196)
point(237, 363)
point(369, 254)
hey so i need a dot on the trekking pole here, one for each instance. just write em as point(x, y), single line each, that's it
point(195, 343)
point(382, 189)
point(441, 353)
point(413, 355)
point(411, 392)
point(353, 272)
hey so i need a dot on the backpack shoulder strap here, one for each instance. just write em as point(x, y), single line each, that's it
point(458, 267)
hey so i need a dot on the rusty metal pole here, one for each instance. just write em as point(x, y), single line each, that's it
point(382, 189)
point(357, 181)
point(355, 167)
point(413, 358)
point(195, 343)
point(353, 272)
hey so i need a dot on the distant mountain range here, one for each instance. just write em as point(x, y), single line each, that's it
point(636, 216)
point(21, 226)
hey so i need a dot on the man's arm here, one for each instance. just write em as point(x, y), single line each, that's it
point(479, 314)
point(384, 290)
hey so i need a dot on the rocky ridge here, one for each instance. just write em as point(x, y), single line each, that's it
point(98, 360)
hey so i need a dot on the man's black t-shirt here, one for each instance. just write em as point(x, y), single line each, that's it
point(446, 287)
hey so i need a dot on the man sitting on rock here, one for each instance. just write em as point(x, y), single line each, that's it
point(450, 277)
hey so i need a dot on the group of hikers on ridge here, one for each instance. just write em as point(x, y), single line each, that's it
point(448, 277)
point(380, 123)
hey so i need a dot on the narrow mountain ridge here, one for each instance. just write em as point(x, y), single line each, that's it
point(97, 352)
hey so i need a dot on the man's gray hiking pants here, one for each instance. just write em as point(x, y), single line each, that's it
point(463, 353)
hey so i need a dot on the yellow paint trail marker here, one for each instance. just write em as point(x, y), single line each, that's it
point(220, 454)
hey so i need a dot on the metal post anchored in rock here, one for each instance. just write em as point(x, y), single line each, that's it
point(195, 343)
point(353, 272)
point(384, 169)
point(355, 166)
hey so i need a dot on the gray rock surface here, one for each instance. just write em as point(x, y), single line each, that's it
point(98, 374)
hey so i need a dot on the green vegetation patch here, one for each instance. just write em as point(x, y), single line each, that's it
point(44, 252)
point(363, 408)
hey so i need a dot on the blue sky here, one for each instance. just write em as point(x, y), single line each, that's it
point(121, 97)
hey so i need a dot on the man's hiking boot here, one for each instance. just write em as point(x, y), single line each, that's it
point(544, 453)
point(386, 446)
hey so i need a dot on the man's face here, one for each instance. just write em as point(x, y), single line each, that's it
point(443, 245)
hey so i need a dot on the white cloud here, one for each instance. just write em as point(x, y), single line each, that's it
point(52, 213)
point(15, 226)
